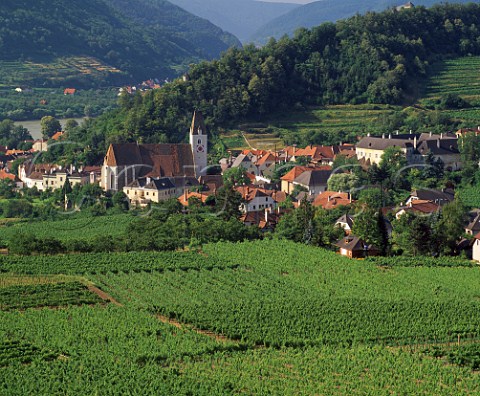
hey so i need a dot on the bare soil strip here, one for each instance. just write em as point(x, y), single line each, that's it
point(184, 326)
point(104, 296)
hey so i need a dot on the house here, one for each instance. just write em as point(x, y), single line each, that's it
point(462, 132)
point(57, 178)
point(5, 175)
point(354, 247)
point(332, 200)
point(266, 164)
point(184, 199)
point(69, 91)
point(145, 190)
point(31, 174)
point(57, 135)
point(476, 248)
point(473, 228)
point(246, 161)
point(256, 199)
point(287, 180)
point(346, 222)
point(314, 180)
point(372, 148)
point(40, 145)
point(436, 196)
point(416, 148)
point(266, 220)
point(127, 162)
point(405, 6)
point(419, 207)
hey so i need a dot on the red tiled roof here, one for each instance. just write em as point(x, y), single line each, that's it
point(69, 91)
point(6, 175)
point(296, 171)
point(57, 135)
point(185, 197)
point(332, 200)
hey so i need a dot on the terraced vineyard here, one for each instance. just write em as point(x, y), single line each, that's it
point(459, 76)
point(54, 73)
point(299, 321)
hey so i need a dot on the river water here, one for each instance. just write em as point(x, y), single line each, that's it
point(35, 128)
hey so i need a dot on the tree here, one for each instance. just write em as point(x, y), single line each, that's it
point(49, 126)
point(450, 227)
point(345, 182)
point(370, 226)
point(412, 235)
point(235, 177)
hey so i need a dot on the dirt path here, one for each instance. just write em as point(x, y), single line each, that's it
point(104, 296)
point(184, 326)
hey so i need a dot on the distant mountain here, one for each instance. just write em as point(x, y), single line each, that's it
point(141, 38)
point(314, 14)
point(240, 17)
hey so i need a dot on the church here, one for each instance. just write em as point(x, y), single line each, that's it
point(126, 163)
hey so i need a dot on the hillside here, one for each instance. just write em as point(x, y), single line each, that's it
point(139, 39)
point(240, 17)
point(315, 13)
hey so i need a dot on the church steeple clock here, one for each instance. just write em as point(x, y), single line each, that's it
point(198, 142)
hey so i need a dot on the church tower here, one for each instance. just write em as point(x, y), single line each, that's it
point(198, 142)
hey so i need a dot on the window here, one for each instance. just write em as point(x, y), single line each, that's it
point(61, 179)
point(254, 207)
point(199, 141)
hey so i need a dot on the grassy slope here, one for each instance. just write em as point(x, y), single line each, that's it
point(126, 350)
point(458, 76)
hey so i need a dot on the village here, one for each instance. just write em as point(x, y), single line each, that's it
point(270, 183)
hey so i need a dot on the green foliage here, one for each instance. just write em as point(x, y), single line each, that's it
point(125, 35)
point(47, 295)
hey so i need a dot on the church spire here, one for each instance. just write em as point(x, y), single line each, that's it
point(198, 125)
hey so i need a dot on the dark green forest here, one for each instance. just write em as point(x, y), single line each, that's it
point(142, 38)
point(376, 58)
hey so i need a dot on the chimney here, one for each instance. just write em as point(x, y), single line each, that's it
point(350, 197)
point(410, 131)
point(441, 135)
point(389, 135)
point(266, 215)
point(430, 133)
point(368, 134)
point(415, 142)
point(383, 136)
point(396, 132)
point(438, 143)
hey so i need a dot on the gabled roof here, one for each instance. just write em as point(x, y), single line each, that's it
point(185, 197)
point(241, 159)
point(420, 206)
point(313, 177)
point(438, 146)
point(57, 135)
point(354, 244)
point(435, 196)
point(7, 175)
point(346, 219)
point(154, 160)
point(474, 225)
point(249, 193)
point(379, 143)
point(293, 173)
point(332, 199)
point(266, 158)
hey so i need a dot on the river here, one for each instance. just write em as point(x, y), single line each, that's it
point(35, 128)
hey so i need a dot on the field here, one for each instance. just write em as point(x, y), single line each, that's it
point(459, 76)
point(53, 73)
point(70, 228)
point(263, 317)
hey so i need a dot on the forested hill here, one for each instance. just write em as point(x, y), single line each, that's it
point(313, 14)
point(376, 58)
point(142, 38)
point(240, 17)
